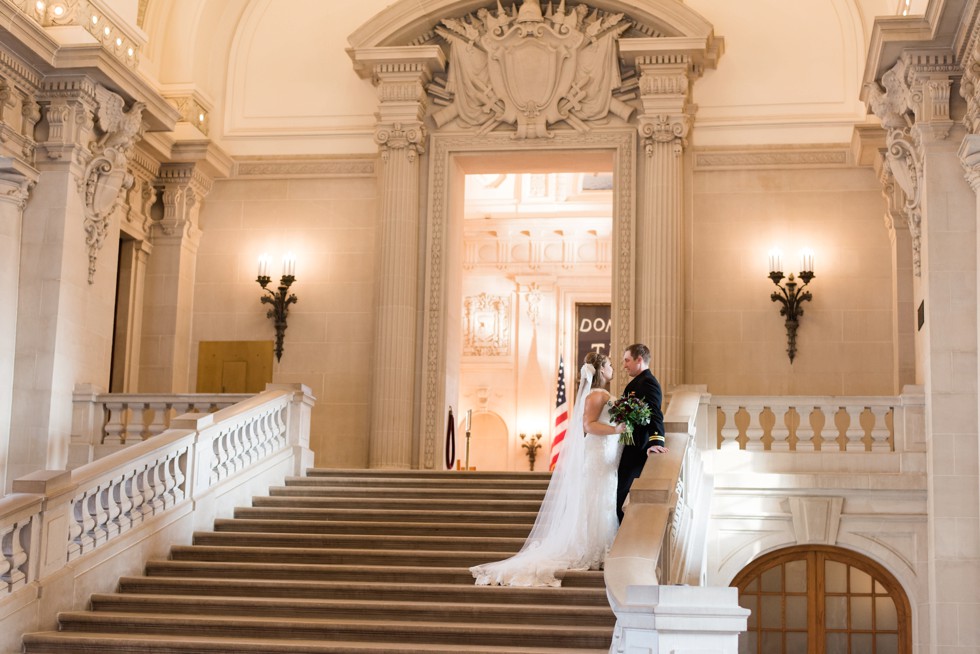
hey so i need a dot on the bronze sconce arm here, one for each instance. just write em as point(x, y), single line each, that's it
point(792, 296)
point(280, 302)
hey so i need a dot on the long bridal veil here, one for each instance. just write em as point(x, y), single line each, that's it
point(557, 540)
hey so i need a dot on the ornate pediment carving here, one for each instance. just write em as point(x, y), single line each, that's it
point(531, 69)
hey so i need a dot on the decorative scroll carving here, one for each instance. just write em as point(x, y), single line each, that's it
point(533, 299)
point(531, 69)
point(106, 174)
point(893, 107)
point(486, 328)
point(664, 129)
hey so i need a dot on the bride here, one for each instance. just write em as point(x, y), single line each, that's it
point(577, 521)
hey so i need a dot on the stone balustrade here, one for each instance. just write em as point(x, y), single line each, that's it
point(56, 517)
point(817, 423)
point(105, 422)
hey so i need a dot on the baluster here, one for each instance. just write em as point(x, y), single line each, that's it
point(158, 480)
point(85, 522)
point(100, 516)
point(167, 481)
point(880, 433)
point(780, 431)
point(281, 426)
point(829, 432)
point(135, 494)
point(148, 486)
point(110, 507)
point(14, 547)
point(135, 428)
point(804, 432)
point(729, 433)
point(114, 432)
point(855, 432)
point(252, 441)
point(754, 431)
point(158, 424)
point(219, 467)
point(180, 475)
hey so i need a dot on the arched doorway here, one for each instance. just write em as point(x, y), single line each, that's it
point(818, 599)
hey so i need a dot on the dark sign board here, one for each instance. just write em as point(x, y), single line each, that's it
point(593, 325)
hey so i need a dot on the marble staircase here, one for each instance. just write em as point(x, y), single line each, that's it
point(345, 562)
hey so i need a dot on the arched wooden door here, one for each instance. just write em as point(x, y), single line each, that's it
point(822, 600)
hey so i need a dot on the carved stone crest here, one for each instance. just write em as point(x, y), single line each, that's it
point(486, 329)
point(531, 69)
point(106, 174)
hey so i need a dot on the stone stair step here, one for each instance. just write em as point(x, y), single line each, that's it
point(335, 556)
point(59, 642)
point(420, 482)
point(439, 632)
point(276, 587)
point(364, 527)
point(355, 514)
point(399, 503)
point(469, 495)
point(340, 609)
point(360, 541)
point(308, 572)
point(474, 475)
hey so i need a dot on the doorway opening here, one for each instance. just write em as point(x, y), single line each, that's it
point(535, 292)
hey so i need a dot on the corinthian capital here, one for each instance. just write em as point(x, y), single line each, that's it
point(409, 137)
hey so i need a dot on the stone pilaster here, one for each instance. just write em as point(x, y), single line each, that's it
point(914, 106)
point(14, 190)
point(401, 138)
point(666, 118)
point(169, 296)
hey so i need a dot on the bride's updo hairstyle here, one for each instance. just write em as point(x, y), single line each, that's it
point(596, 360)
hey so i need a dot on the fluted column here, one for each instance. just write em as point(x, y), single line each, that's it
point(401, 138)
point(14, 188)
point(659, 244)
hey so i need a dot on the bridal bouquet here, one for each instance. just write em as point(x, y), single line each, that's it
point(632, 411)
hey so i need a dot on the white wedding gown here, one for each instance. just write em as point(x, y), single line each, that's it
point(577, 521)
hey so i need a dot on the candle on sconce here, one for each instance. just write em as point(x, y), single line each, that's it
point(774, 261)
point(263, 265)
point(289, 265)
point(469, 418)
point(807, 260)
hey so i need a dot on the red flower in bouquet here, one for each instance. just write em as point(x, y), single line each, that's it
point(631, 411)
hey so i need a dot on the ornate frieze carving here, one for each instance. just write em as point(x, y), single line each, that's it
point(306, 167)
point(486, 325)
point(724, 159)
point(531, 69)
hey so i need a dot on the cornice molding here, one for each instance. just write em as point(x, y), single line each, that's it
point(304, 167)
point(763, 158)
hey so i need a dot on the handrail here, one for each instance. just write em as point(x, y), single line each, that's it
point(637, 551)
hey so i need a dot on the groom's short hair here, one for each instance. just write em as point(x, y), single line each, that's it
point(638, 351)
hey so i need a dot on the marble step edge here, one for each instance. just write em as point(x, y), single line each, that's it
point(53, 642)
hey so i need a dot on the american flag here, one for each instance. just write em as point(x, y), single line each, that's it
point(561, 414)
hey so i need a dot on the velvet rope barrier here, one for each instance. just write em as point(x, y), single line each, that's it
point(450, 441)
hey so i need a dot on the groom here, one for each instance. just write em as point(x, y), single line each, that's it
point(647, 439)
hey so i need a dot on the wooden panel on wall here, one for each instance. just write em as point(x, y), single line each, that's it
point(234, 366)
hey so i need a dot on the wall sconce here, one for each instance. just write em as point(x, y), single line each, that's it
point(279, 300)
point(791, 295)
point(531, 446)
